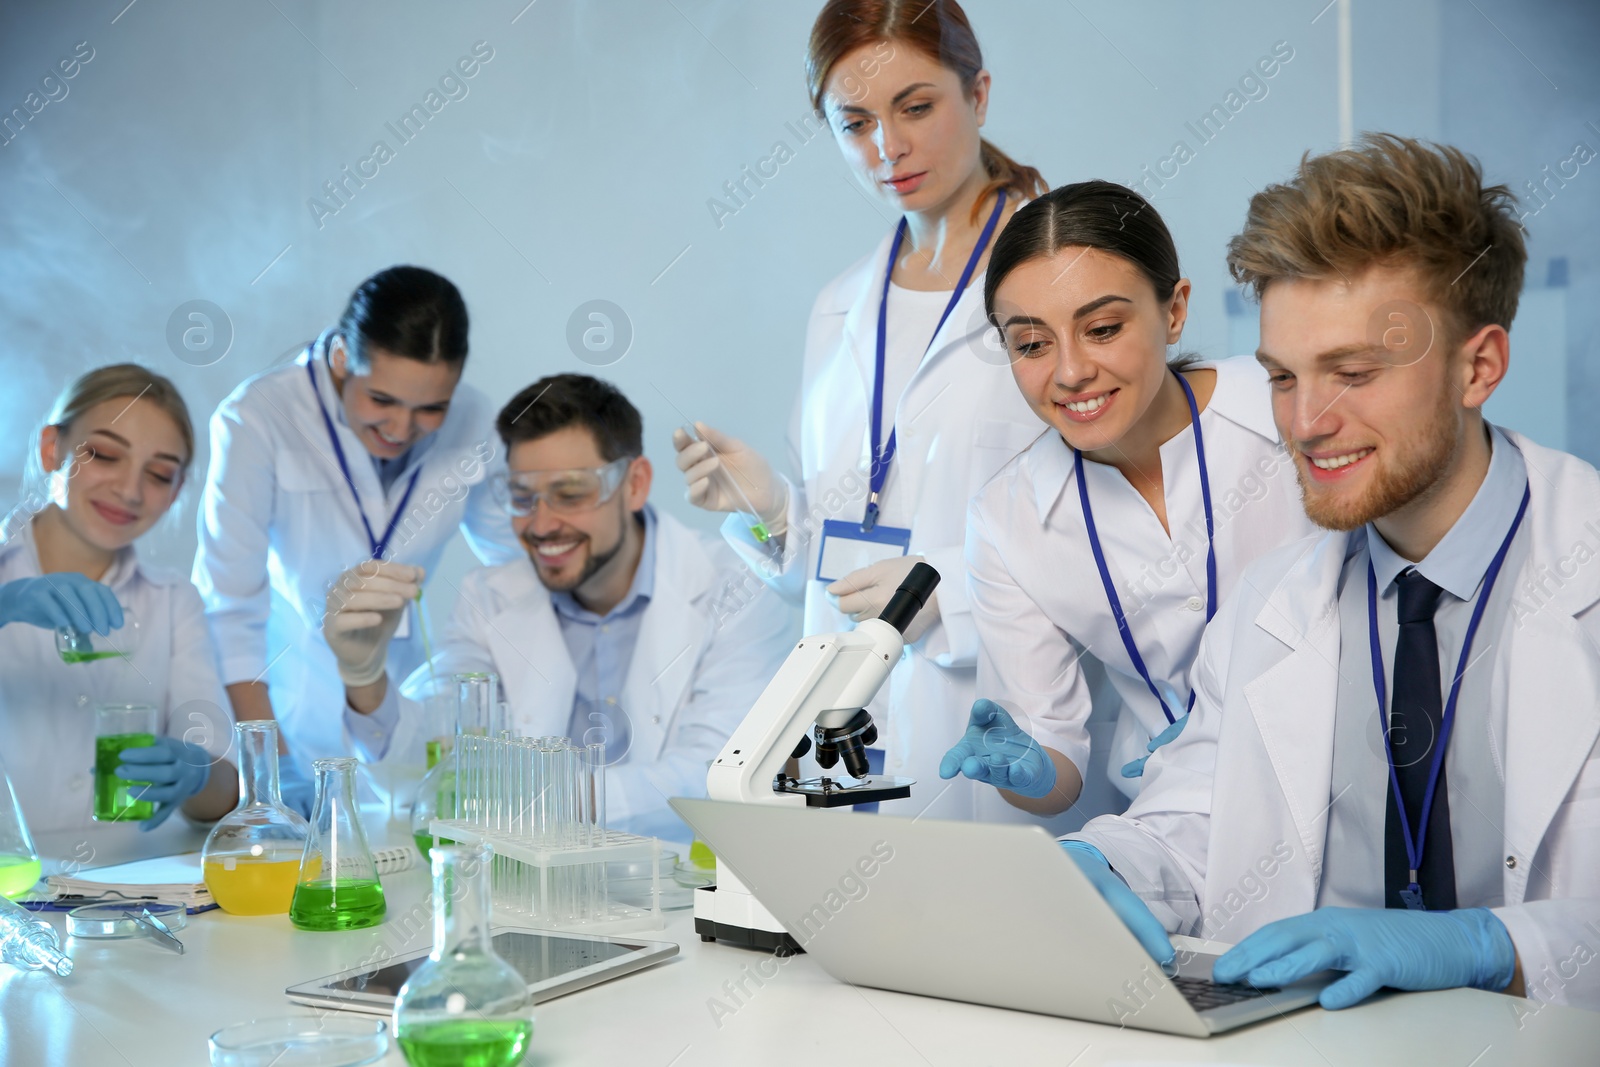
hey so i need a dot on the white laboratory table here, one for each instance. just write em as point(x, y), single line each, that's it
point(135, 1003)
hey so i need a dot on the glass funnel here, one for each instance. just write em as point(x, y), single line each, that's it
point(19, 860)
point(478, 711)
point(251, 859)
point(465, 1004)
point(338, 887)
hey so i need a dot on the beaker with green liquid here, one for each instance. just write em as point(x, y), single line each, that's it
point(338, 887)
point(19, 860)
point(465, 1005)
point(118, 727)
point(75, 645)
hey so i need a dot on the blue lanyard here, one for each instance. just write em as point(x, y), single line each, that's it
point(378, 547)
point(883, 454)
point(1100, 557)
point(1415, 842)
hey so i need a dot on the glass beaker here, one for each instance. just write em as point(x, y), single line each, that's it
point(478, 711)
point(466, 1004)
point(19, 860)
point(251, 859)
point(76, 645)
point(338, 887)
point(118, 727)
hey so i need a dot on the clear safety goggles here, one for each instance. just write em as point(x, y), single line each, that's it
point(563, 492)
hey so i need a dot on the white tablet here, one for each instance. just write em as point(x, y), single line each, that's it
point(553, 963)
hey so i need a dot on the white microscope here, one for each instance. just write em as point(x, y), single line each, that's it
point(820, 693)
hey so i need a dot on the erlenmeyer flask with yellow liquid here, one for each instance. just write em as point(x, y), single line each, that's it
point(251, 860)
point(19, 860)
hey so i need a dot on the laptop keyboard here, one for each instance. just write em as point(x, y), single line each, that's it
point(1202, 994)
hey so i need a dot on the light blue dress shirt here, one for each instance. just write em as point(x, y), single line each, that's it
point(601, 647)
point(1353, 866)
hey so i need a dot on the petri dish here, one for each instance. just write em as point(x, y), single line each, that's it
point(111, 921)
point(301, 1041)
point(628, 882)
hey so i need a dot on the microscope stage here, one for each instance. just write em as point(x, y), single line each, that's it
point(841, 792)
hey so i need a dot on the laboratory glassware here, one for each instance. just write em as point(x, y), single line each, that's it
point(19, 860)
point(28, 943)
point(85, 646)
point(321, 1040)
point(251, 859)
point(748, 514)
point(118, 727)
point(478, 712)
point(465, 1004)
point(109, 922)
point(338, 887)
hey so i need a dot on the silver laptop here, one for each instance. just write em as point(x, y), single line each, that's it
point(980, 912)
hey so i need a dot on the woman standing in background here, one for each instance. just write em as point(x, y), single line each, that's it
point(333, 480)
point(905, 410)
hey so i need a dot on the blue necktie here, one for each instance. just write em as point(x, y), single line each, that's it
point(1415, 718)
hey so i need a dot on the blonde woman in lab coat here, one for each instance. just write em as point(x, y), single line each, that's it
point(1122, 528)
point(109, 462)
point(346, 470)
point(904, 410)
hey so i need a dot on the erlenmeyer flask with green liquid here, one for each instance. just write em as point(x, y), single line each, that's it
point(338, 888)
point(19, 860)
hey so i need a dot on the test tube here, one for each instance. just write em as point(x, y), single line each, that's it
point(597, 760)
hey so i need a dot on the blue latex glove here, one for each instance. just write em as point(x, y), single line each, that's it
point(1135, 768)
point(61, 601)
point(998, 751)
point(1379, 947)
point(176, 771)
point(294, 789)
point(1124, 901)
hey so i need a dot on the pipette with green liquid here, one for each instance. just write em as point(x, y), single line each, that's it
point(752, 517)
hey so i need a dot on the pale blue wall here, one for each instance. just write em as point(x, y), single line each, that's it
point(580, 164)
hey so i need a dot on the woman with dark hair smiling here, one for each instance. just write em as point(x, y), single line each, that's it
point(348, 470)
point(1121, 530)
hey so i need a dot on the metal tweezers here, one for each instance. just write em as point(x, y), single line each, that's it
point(156, 928)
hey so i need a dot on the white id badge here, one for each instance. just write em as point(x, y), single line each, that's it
point(403, 631)
point(846, 547)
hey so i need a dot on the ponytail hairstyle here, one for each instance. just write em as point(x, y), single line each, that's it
point(1094, 214)
point(118, 381)
point(407, 311)
point(937, 28)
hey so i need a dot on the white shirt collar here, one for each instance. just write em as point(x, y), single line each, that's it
point(1458, 562)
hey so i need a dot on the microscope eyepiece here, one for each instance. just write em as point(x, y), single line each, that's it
point(910, 598)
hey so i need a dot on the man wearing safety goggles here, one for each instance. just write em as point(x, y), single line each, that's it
point(628, 629)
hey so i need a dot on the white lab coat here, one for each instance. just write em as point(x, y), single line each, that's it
point(1038, 599)
point(278, 526)
point(47, 706)
point(711, 638)
point(1229, 832)
point(959, 420)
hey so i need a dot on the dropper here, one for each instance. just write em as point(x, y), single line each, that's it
point(750, 516)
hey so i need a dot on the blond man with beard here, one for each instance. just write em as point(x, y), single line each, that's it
point(1392, 767)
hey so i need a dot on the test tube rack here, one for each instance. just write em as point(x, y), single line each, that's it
point(539, 804)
